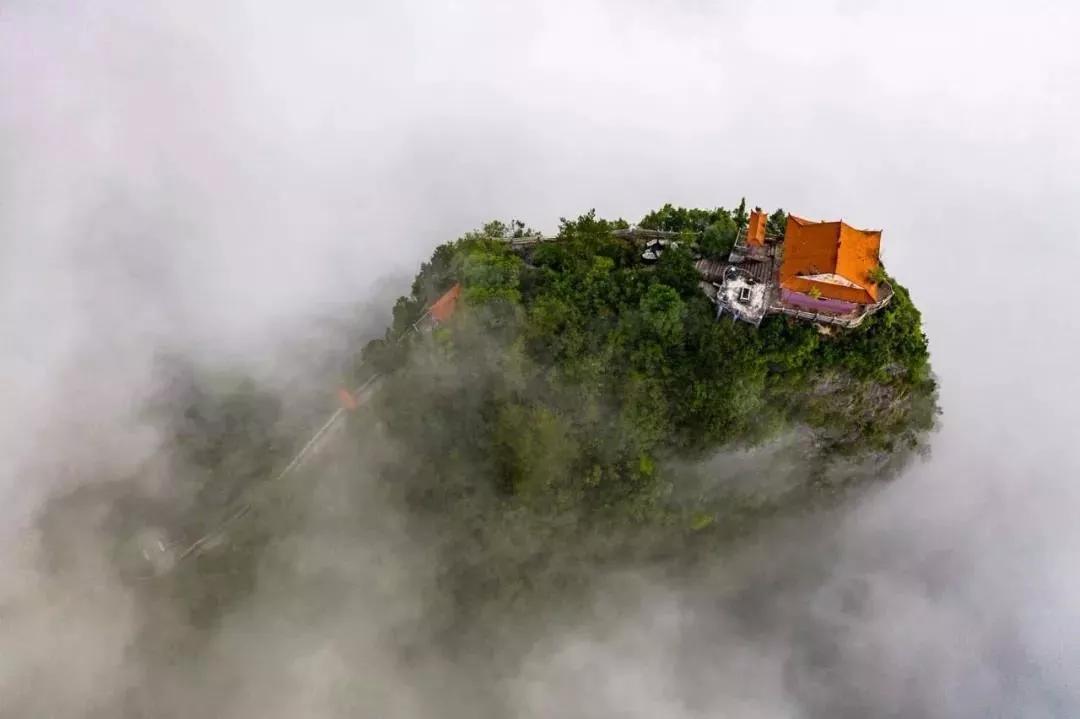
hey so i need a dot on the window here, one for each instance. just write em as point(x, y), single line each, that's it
point(744, 294)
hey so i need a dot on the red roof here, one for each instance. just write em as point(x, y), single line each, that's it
point(832, 257)
point(347, 399)
point(755, 231)
point(444, 307)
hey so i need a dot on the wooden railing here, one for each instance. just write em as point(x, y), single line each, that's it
point(839, 320)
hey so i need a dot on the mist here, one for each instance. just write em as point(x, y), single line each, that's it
point(251, 185)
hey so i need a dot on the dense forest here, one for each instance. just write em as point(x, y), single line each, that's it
point(579, 392)
point(576, 369)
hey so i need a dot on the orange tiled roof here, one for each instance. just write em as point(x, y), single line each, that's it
point(755, 231)
point(833, 257)
point(445, 305)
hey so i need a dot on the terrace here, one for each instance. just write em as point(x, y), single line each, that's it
point(743, 295)
point(822, 313)
point(744, 250)
point(758, 279)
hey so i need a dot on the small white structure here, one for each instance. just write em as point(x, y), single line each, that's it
point(744, 296)
point(156, 550)
point(655, 248)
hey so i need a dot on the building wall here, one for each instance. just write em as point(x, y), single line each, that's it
point(823, 304)
point(755, 232)
point(839, 293)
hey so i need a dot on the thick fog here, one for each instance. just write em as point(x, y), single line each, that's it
point(231, 180)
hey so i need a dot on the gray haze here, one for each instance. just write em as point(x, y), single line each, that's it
point(213, 176)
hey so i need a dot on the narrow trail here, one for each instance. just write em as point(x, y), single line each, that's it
point(313, 445)
point(437, 312)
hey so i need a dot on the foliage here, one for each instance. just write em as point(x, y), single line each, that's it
point(712, 232)
point(741, 217)
point(542, 427)
point(677, 219)
point(776, 225)
point(719, 237)
point(574, 372)
point(223, 427)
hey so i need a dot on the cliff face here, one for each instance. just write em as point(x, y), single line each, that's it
point(574, 378)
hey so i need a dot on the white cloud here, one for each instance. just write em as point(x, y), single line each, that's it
point(202, 175)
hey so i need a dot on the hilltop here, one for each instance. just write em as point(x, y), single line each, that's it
point(568, 404)
point(575, 379)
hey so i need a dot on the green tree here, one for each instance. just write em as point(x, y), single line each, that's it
point(662, 311)
point(741, 217)
point(719, 237)
point(776, 225)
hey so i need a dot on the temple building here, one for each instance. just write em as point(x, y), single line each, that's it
point(444, 307)
point(829, 266)
point(826, 272)
point(755, 230)
point(440, 310)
